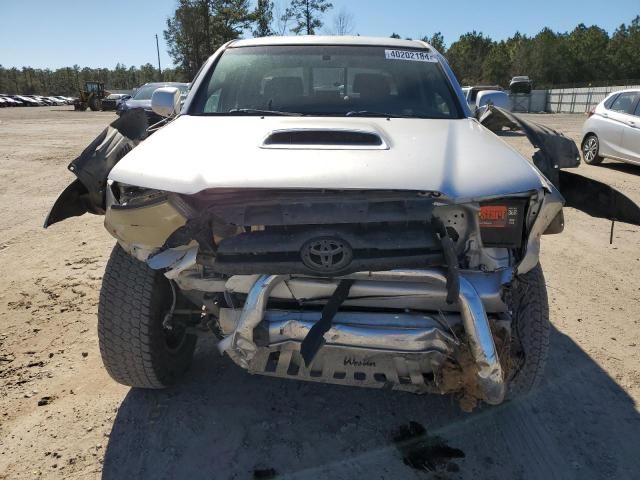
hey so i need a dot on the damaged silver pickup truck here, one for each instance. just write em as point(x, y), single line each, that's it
point(330, 209)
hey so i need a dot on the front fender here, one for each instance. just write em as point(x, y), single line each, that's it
point(86, 194)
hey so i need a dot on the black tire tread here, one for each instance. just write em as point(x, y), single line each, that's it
point(531, 329)
point(129, 331)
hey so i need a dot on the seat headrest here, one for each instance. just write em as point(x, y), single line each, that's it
point(283, 86)
point(371, 84)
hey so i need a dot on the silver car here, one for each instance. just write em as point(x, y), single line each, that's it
point(613, 129)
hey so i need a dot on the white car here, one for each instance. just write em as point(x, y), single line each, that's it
point(29, 101)
point(329, 208)
point(613, 129)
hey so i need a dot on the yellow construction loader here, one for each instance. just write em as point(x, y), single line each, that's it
point(91, 97)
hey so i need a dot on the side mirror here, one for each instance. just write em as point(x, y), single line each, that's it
point(492, 97)
point(165, 101)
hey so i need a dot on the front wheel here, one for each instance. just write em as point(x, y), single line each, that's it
point(591, 150)
point(137, 350)
point(529, 331)
point(95, 104)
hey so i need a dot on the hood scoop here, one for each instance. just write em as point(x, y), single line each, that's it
point(325, 139)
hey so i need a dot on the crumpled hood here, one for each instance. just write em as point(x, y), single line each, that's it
point(458, 158)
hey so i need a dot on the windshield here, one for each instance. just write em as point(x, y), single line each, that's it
point(327, 80)
point(146, 91)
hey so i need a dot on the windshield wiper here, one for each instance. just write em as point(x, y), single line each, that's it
point(256, 111)
point(367, 113)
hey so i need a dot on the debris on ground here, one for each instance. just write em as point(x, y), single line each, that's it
point(45, 401)
point(422, 452)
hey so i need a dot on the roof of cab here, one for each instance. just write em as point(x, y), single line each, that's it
point(329, 40)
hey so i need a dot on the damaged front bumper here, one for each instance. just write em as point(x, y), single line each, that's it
point(401, 351)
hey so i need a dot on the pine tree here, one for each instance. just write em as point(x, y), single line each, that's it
point(307, 15)
point(263, 15)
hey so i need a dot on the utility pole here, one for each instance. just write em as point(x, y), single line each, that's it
point(158, 50)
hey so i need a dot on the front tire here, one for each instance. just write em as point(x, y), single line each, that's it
point(530, 331)
point(95, 104)
point(136, 349)
point(591, 150)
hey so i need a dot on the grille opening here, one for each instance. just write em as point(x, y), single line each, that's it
point(315, 373)
point(339, 375)
point(293, 368)
point(360, 376)
point(429, 377)
point(379, 377)
point(272, 361)
point(276, 257)
point(324, 137)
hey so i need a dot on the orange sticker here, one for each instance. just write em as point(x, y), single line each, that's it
point(493, 216)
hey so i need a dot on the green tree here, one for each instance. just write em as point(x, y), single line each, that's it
point(588, 57)
point(307, 15)
point(519, 48)
point(467, 55)
point(549, 58)
point(228, 19)
point(496, 68)
point(188, 34)
point(263, 15)
point(436, 41)
point(623, 51)
point(394, 35)
point(199, 27)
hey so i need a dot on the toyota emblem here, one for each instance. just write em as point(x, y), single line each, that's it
point(326, 255)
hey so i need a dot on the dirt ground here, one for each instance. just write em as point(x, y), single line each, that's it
point(61, 416)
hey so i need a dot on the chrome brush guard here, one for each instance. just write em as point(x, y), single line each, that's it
point(394, 350)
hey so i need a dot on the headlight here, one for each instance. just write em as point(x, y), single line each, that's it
point(501, 222)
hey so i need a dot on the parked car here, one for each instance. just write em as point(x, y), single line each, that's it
point(613, 129)
point(142, 99)
point(38, 99)
point(377, 237)
point(28, 100)
point(521, 84)
point(43, 101)
point(18, 101)
point(56, 101)
point(112, 102)
point(65, 100)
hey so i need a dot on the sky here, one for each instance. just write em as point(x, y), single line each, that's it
point(101, 33)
